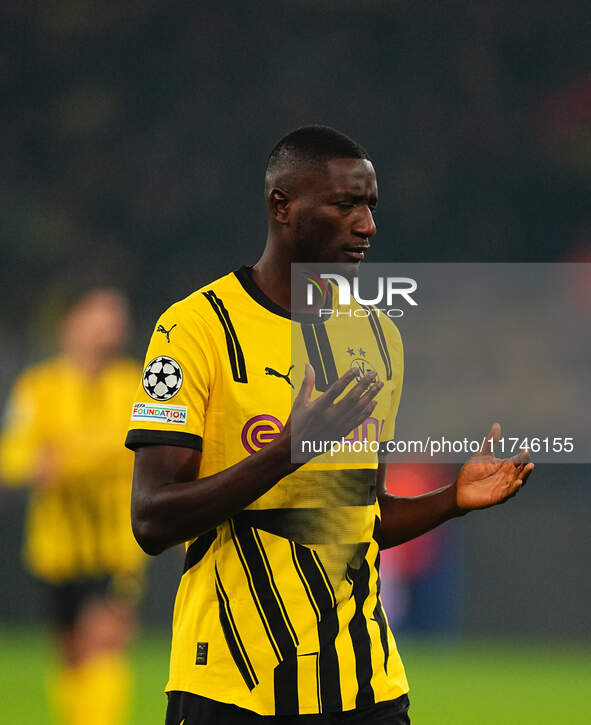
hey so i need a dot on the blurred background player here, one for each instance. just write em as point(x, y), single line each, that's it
point(62, 435)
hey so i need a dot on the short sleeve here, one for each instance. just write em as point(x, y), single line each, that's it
point(171, 401)
point(396, 353)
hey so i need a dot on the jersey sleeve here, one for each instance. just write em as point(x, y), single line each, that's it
point(20, 443)
point(172, 396)
point(396, 352)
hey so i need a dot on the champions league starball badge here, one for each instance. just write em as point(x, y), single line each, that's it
point(162, 378)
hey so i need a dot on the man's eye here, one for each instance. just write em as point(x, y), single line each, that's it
point(345, 204)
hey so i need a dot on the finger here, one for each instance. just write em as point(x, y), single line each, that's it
point(492, 438)
point(373, 389)
point(336, 388)
point(520, 458)
point(366, 403)
point(369, 396)
point(359, 389)
point(354, 407)
point(355, 420)
point(307, 386)
point(360, 408)
point(524, 475)
point(520, 477)
point(368, 410)
point(357, 404)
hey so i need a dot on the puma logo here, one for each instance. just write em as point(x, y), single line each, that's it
point(164, 331)
point(270, 371)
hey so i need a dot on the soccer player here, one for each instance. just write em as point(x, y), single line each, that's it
point(278, 616)
point(62, 435)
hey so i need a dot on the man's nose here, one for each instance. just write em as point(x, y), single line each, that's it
point(364, 225)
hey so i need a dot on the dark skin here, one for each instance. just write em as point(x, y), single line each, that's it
point(315, 214)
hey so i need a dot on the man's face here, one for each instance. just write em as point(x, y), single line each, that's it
point(98, 324)
point(333, 212)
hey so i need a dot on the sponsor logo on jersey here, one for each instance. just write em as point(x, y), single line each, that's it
point(158, 413)
point(272, 371)
point(164, 331)
point(260, 430)
point(369, 430)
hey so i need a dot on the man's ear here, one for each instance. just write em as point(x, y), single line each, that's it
point(279, 203)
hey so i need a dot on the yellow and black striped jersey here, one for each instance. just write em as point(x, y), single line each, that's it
point(78, 522)
point(278, 608)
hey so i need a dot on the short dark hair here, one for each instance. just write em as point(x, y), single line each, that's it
point(315, 145)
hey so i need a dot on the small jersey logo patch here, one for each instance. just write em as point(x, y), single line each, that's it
point(201, 658)
point(164, 331)
point(162, 378)
point(272, 371)
point(260, 430)
point(155, 413)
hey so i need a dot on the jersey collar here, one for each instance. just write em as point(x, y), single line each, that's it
point(244, 275)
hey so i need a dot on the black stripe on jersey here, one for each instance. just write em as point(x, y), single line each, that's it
point(378, 615)
point(273, 615)
point(234, 350)
point(322, 600)
point(320, 355)
point(232, 636)
point(255, 598)
point(360, 636)
point(285, 685)
point(263, 589)
point(274, 586)
point(307, 589)
point(376, 328)
point(315, 655)
point(326, 353)
point(198, 549)
point(314, 356)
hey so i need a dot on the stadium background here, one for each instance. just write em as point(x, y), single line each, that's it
point(133, 139)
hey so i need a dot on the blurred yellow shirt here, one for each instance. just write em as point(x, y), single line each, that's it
point(78, 524)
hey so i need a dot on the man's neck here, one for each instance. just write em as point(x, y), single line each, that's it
point(272, 273)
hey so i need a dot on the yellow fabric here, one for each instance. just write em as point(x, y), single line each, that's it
point(78, 524)
point(96, 692)
point(61, 690)
point(284, 597)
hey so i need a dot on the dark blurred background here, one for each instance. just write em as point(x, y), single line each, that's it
point(133, 138)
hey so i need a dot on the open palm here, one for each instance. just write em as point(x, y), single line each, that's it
point(485, 480)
